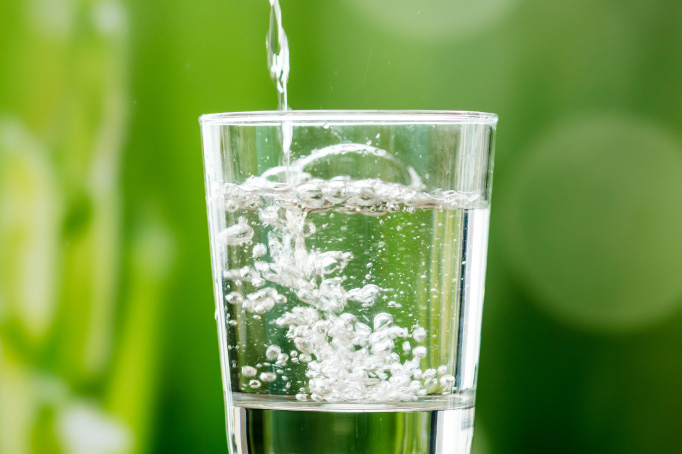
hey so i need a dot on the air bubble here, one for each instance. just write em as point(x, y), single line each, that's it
point(348, 320)
point(310, 195)
point(419, 334)
point(259, 250)
point(280, 299)
point(430, 384)
point(335, 192)
point(303, 345)
point(305, 358)
point(238, 234)
point(329, 262)
point(382, 348)
point(273, 352)
point(419, 352)
point(254, 384)
point(231, 206)
point(320, 328)
point(261, 301)
point(282, 359)
point(267, 377)
point(245, 273)
point(382, 320)
point(365, 295)
point(362, 193)
point(447, 381)
point(261, 266)
point(269, 215)
point(249, 371)
point(429, 373)
point(234, 298)
point(308, 229)
point(257, 281)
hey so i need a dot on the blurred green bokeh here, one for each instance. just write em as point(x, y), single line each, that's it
point(107, 336)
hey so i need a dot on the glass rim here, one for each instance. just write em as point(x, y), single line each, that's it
point(350, 116)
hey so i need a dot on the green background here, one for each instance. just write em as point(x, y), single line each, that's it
point(107, 336)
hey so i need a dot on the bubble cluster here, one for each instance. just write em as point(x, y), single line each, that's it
point(349, 361)
point(344, 359)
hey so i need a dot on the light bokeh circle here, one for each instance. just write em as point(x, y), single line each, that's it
point(593, 215)
point(432, 20)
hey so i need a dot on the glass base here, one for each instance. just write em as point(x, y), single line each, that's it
point(260, 431)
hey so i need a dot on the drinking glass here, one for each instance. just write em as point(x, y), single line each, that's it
point(348, 251)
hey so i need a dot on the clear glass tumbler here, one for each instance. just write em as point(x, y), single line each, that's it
point(349, 254)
